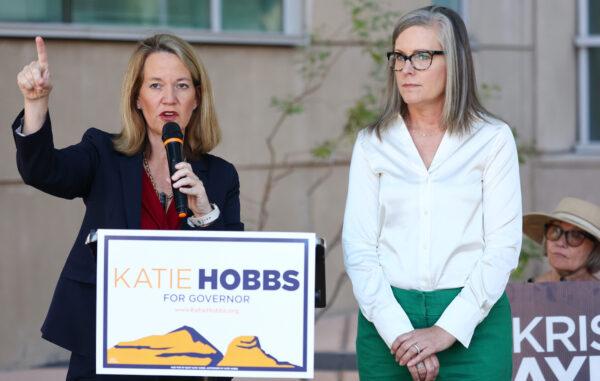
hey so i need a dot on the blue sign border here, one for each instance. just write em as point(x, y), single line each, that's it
point(108, 238)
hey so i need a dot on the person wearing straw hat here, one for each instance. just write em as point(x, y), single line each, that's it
point(569, 237)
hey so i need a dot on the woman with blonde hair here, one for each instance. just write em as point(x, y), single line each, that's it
point(432, 227)
point(124, 180)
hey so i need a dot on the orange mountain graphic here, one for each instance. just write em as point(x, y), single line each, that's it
point(185, 346)
point(245, 351)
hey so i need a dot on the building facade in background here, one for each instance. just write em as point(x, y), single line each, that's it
point(537, 61)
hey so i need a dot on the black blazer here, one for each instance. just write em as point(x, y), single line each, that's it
point(110, 185)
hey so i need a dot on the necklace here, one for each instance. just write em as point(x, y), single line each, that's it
point(162, 197)
point(418, 133)
point(425, 134)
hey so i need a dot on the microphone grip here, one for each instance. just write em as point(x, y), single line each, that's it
point(174, 156)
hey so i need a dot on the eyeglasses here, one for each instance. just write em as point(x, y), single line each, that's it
point(420, 59)
point(574, 238)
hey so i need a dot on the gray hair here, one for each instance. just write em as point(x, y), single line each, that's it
point(461, 105)
point(593, 261)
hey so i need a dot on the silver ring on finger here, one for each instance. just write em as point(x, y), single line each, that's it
point(417, 348)
point(420, 366)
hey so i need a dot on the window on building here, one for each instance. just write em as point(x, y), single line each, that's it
point(452, 4)
point(31, 10)
point(259, 15)
point(213, 20)
point(588, 44)
point(460, 6)
point(173, 13)
point(594, 94)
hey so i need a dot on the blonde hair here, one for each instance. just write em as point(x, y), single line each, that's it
point(461, 104)
point(202, 133)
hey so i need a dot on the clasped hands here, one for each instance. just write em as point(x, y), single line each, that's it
point(417, 351)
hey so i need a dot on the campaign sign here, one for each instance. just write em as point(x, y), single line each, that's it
point(220, 304)
point(556, 331)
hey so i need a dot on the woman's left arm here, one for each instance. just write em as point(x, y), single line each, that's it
point(502, 220)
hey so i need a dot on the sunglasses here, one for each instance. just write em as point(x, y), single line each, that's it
point(573, 237)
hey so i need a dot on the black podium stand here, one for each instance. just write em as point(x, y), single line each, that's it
point(320, 249)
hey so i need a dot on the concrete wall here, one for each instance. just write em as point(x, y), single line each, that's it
point(555, 76)
point(523, 52)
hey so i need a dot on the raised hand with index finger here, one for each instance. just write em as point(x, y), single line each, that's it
point(34, 83)
point(34, 79)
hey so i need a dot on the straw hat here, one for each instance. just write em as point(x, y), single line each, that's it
point(583, 214)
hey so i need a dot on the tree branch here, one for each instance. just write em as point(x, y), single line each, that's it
point(263, 213)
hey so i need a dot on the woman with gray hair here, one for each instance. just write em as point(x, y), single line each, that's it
point(432, 227)
point(569, 237)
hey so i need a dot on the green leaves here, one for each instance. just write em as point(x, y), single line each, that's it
point(360, 115)
point(287, 106)
point(372, 24)
point(324, 150)
point(315, 60)
point(489, 91)
point(530, 251)
point(363, 113)
point(368, 16)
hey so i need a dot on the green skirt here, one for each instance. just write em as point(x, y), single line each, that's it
point(489, 356)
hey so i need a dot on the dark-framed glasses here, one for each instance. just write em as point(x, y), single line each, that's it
point(574, 237)
point(420, 59)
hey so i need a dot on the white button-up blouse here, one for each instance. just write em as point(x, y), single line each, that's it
point(456, 224)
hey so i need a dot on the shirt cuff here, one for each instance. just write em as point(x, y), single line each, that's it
point(19, 129)
point(460, 320)
point(391, 323)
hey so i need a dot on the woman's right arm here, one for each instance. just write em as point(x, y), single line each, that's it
point(64, 173)
point(34, 83)
point(360, 235)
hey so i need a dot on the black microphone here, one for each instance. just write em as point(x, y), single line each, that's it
point(173, 140)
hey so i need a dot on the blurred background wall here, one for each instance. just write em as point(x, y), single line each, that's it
point(293, 80)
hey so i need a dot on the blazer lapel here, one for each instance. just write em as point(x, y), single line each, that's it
point(130, 168)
